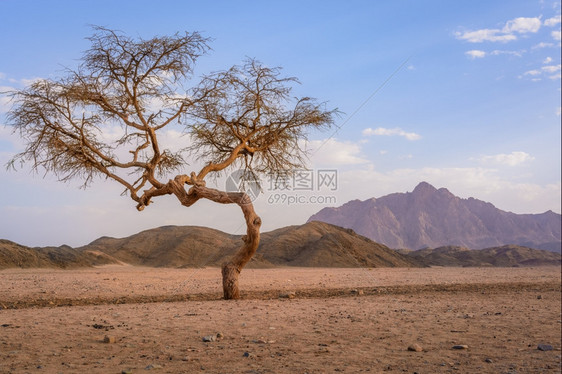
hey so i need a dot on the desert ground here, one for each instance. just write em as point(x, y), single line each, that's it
point(124, 319)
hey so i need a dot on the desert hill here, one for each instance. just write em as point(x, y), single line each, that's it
point(504, 256)
point(15, 255)
point(170, 246)
point(313, 244)
point(318, 244)
point(430, 217)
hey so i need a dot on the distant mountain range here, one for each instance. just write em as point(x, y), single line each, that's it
point(13, 255)
point(505, 256)
point(315, 244)
point(428, 218)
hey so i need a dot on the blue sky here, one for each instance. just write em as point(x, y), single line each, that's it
point(462, 94)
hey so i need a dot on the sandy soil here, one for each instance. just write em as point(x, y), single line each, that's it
point(340, 320)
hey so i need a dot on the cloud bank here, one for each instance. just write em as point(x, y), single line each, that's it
point(520, 25)
point(381, 131)
point(512, 159)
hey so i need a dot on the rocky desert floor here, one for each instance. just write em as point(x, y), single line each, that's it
point(122, 319)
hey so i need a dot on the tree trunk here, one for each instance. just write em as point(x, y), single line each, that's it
point(231, 270)
point(230, 275)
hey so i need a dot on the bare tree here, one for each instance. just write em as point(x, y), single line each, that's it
point(243, 117)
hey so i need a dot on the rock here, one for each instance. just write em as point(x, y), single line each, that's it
point(415, 348)
point(539, 297)
point(489, 360)
point(545, 347)
point(127, 371)
point(460, 346)
point(109, 339)
point(153, 367)
point(246, 354)
point(259, 341)
point(219, 335)
point(209, 338)
point(357, 292)
point(287, 295)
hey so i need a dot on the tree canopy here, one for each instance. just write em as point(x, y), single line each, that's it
point(104, 118)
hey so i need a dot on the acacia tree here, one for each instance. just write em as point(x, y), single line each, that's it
point(243, 117)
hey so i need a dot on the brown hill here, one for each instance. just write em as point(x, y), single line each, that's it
point(16, 255)
point(318, 244)
point(430, 217)
point(313, 244)
point(170, 246)
point(504, 256)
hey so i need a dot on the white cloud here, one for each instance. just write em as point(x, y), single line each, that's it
point(28, 82)
point(409, 156)
point(332, 152)
point(547, 60)
point(13, 141)
point(485, 35)
point(4, 99)
point(522, 25)
point(558, 111)
point(551, 68)
point(2, 75)
point(553, 21)
point(512, 159)
point(391, 132)
point(543, 45)
point(475, 53)
point(498, 52)
point(556, 35)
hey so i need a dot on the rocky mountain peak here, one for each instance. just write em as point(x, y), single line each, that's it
point(424, 188)
point(430, 217)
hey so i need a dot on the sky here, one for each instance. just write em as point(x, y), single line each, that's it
point(464, 95)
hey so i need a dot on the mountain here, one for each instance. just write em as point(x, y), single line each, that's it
point(313, 244)
point(318, 244)
point(504, 256)
point(16, 255)
point(170, 246)
point(430, 217)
